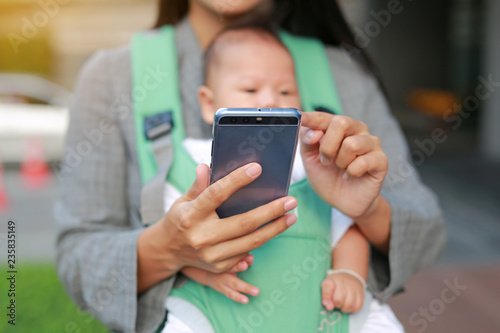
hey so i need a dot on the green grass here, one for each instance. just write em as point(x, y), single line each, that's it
point(42, 304)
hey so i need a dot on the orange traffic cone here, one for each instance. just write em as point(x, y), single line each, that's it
point(4, 200)
point(35, 171)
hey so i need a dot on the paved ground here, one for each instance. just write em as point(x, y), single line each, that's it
point(32, 212)
point(469, 192)
point(461, 299)
point(468, 187)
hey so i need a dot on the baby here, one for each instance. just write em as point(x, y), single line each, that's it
point(250, 67)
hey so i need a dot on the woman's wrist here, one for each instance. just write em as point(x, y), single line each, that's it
point(375, 224)
point(155, 261)
point(372, 210)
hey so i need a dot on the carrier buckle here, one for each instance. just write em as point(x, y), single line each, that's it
point(158, 125)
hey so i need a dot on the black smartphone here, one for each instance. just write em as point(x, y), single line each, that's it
point(267, 136)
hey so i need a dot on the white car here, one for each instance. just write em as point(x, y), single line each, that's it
point(32, 126)
point(23, 126)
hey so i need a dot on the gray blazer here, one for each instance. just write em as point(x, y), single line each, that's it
point(98, 210)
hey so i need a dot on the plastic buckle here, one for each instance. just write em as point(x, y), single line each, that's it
point(158, 125)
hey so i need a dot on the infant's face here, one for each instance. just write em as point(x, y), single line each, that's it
point(254, 74)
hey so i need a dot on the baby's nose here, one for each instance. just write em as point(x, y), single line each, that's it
point(269, 100)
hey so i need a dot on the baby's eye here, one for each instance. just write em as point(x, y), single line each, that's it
point(285, 92)
point(251, 91)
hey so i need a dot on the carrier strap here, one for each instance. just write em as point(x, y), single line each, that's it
point(155, 90)
point(314, 77)
point(159, 126)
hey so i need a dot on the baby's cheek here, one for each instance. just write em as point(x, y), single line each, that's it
point(295, 102)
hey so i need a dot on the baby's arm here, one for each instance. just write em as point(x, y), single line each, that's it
point(342, 290)
point(226, 283)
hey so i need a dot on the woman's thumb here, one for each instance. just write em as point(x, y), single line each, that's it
point(309, 141)
point(201, 182)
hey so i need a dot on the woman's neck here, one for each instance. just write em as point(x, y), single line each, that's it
point(206, 24)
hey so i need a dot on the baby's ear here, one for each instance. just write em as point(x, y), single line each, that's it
point(206, 100)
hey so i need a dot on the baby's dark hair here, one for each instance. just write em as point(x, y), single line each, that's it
point(236, 34)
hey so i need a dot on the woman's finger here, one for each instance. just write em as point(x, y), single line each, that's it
point(316, 120)
point(374, 163)
point(321, 121)
point(309, 142)
point(214, 195)
point(313, 126)
point(244, 224)
point(310, 136)
point(220, 266)
point(340, 127)
point(244, 244)
point(354, 146)
point(200, 184)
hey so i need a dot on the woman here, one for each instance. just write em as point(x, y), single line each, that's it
point(122, 273)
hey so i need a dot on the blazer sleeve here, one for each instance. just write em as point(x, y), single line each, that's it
point(417, 227)
point(97, 238)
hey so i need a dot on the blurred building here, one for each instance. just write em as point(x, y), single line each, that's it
point(435, 56)
point(43, 45)
point(53, 38)
point(430, 53)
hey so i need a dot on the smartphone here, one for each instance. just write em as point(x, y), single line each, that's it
point(267, 136)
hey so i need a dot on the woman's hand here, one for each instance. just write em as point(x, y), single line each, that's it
point(192, 234)
point(345, 165)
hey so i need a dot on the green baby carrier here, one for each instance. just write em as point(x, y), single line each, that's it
point(288, 269)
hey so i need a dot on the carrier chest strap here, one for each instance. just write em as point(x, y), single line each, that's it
point(157, 114)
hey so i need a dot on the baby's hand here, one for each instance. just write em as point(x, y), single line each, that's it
point(342, 291)
point(242, 265)
point(226, 283)
point(231, 286)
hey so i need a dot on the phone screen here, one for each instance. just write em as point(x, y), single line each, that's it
point(266, 136)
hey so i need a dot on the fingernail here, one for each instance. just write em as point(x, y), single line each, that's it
point(309, 135)
point(253, 171)
point(291, 219)
point(244, 300)
point(290, 204)
point(254, 291)
point(325, 161)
